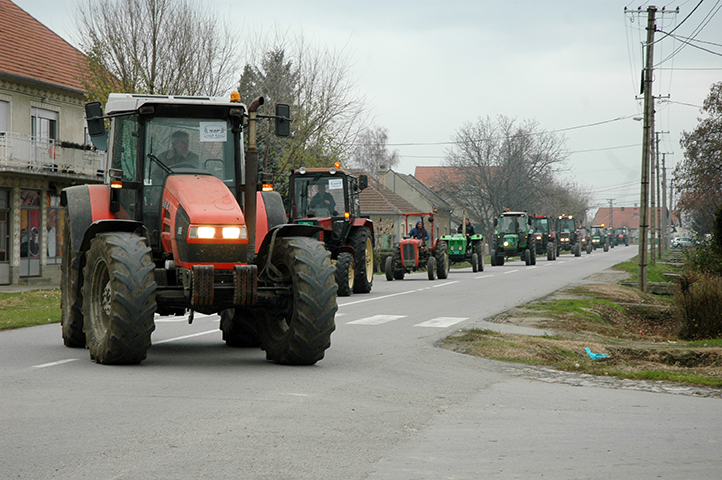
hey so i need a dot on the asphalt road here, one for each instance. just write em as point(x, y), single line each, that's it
point(385, 403)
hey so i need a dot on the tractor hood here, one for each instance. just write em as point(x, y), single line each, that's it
point(205, 199)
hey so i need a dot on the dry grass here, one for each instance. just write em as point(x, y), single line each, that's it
point(638, 331)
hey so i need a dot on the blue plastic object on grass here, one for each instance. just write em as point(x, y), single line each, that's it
point(595, 356)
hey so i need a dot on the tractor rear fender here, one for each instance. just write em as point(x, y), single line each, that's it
point(88, 210)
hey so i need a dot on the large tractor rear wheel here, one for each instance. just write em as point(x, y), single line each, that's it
point(345, 274)
point(297, 331)
point(71, 299)
point(577, 249)
point(360, 241)
point(479, 250)
point(441, 253)
point(118, 298)
point(238, 327)
point(399, 270)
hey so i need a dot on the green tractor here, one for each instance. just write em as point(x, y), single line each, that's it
point(463, 248)
point(599, 237)
point(513, 237)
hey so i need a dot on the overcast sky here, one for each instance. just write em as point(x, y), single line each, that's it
point(428, 67)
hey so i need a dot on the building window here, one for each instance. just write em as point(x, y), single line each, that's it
point(4, 116)
point(29, 233)
point(55, 220)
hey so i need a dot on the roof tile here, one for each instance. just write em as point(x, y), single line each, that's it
point(29, 49)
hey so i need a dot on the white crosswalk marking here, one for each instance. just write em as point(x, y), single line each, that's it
point(376, 319)
point(441, 322)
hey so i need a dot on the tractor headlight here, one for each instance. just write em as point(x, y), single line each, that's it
point(230, 232)
point(506, 244)
point(202, 232)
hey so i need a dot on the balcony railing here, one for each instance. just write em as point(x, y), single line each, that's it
point(46, 155)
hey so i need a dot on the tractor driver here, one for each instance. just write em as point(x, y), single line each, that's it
point(179, 152)
point(419, 231)
point(322, 201)
point(469, 232)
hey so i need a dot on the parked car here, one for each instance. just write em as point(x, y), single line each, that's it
point(682, 242)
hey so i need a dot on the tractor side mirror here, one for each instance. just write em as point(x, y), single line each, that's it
point(431, 219)
point(96, 125)
point(363, 182)
point(283, 120)
point(496, 222)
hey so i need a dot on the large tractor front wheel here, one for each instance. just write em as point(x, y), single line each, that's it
point(297, 330)
point(360, 241)
point(118, 298)
point(71, 300)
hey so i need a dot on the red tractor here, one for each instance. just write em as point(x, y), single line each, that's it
point(329, 198)
point(180, 224)
point(417, 250)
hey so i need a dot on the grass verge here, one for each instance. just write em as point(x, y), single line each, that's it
point(637, 331)
point(26, 309)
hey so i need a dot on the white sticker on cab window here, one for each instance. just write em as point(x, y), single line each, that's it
point(335, 184)
point(213, 131)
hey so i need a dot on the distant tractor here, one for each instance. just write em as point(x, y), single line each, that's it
point(568, 238)
point(599, 237)
point(466, 249)
point(545, 236)
point(329, 198)
point(585, 239)
point(513, 237)
point(412, 254)
point(621, 236)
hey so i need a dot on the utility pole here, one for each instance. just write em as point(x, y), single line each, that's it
point(646, 147)
point(665, 211)
point(611, 212)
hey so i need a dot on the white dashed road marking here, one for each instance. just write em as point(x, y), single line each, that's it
point(441, 322)
point(376, 319)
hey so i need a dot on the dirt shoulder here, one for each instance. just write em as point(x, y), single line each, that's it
point(634, 332)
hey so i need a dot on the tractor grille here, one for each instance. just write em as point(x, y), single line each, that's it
point(408, 254)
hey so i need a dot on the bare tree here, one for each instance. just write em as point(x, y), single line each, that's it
point(327, 111)
point(371, 153)
point(155, 46)
point(504, 165)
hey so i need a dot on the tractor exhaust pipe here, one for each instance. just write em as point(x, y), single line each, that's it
point(249, 197)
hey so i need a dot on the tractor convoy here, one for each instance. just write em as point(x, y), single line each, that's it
point(181, 225)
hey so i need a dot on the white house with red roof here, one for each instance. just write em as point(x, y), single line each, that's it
point(42, 145)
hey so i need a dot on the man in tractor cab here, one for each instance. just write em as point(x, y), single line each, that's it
point(419, 231)
point(322, 204)
point(179, 152)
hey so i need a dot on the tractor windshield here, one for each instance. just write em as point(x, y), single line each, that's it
point(597, 231)
point(541, 225)
point(319, 196)
point(184, 145)
point(511, 224)
point(566, 225)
